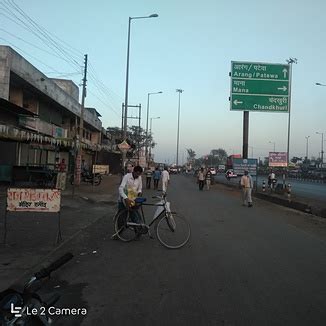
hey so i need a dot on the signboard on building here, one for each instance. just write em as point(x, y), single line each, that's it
point(257, 86)
point(33, 200)
point(242, 164)
point(101, 169)
point(277, 159)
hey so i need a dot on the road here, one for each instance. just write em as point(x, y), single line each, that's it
point(305, 189)
point(243, 266)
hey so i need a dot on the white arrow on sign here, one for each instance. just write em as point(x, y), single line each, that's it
point(285, 71)
point(236, 102)
point(282, 88)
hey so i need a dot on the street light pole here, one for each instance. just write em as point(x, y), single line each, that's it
point(146, 147)
point(150, 132)
point(127, 82)
point(177, 158)
point(307, 138)
point(322, 136)
point(322, 147)
point(290, 61)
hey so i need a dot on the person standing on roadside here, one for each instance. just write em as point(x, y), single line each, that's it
point(61, 175)
point(201, 178)
point(165, 179)
point(156, 177)
point(246, 184)
point(208, 178)
point(149, 175)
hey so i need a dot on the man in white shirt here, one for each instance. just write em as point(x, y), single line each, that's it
point(165, 180)
point(130, 188)
point(246, 183)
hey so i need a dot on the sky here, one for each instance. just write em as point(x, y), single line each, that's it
point(190, 46)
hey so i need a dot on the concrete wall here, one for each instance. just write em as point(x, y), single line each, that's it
point(68, 86)
point(50, 114)
point(16, 96)
point(4, 72)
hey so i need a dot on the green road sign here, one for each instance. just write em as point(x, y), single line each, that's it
point(259, 87)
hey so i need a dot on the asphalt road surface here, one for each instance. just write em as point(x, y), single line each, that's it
point(263, 265)
point(304, 189)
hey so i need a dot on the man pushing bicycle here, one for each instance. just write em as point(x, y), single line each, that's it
point(129, 189)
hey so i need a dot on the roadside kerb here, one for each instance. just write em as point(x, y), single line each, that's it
point(30, 237)
point(294, 203)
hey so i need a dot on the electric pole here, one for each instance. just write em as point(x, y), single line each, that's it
point(81, 127)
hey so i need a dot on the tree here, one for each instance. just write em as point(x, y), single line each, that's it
point(219, 156)
point(136, 138)
point(191, 155)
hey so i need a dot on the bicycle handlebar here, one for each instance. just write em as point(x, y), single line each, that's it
point(44, 272)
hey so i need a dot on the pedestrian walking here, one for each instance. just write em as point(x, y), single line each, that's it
point(165, 179)
point(61, 175)
point(156, 177)
point(149, 174)
point(246, 184)
point(208, 178)
point(201, 178)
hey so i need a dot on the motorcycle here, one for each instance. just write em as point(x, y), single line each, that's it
point(93, 178)
point(16, 306)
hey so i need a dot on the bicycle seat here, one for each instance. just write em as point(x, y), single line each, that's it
point(140, 200)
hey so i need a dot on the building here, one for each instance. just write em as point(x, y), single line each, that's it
point(39, 118)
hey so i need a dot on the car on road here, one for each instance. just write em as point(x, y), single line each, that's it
point(230, 174)
point(213, 171)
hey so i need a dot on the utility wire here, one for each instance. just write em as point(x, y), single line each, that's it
point(38, 31)
point(106, 104)
point(41, 29)
point(13, 45)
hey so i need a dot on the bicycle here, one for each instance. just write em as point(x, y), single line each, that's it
point(16, 307)
point(172, 230)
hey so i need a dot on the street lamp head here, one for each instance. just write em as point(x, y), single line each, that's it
point(179, 90)
point(153, 16)
point(292, 60)
point(320, 84)
point(160, 92)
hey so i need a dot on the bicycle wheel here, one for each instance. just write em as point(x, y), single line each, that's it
point(173, 231)
point(123, 231)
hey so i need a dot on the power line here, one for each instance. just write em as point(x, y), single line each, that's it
point(38, 31)
point(15, 46)
point(106, 104)
point(31, 44)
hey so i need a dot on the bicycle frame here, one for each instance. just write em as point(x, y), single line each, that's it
point(162, 207)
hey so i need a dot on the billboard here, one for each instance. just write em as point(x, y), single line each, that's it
point(278, 159)
point(242, 164)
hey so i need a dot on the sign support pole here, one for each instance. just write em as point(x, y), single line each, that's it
point(59, 237)
point(245, 134)
point(290, 62)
